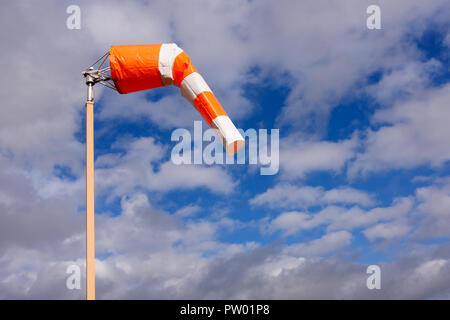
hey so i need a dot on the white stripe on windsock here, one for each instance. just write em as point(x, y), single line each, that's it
point(167, 55)
point(192, 86)
point(227, 132)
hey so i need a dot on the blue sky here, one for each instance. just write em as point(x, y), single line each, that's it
point(364, 153)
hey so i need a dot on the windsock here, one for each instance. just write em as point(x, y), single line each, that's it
point(142, 67)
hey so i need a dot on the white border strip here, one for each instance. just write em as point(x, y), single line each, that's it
point(231, 138)
point(192, 86)
point(167, 55)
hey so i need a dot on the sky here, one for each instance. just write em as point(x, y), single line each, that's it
point(364, 152)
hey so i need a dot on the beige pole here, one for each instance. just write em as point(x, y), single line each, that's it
point(90, 230)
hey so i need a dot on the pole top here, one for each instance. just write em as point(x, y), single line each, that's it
point(93, 76)
point(96, 74)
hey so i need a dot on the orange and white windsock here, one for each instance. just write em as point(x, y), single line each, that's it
point(141, 67)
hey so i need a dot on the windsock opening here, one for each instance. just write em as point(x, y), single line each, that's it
point(142, 67)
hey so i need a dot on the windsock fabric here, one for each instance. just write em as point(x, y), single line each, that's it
point(142, 67)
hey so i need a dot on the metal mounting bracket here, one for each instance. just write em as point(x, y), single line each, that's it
point(102, 76)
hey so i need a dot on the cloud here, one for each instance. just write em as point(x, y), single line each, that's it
point(26, 220)
point(404, 81)
point(42, 94)
point(188, 211)
point(337, 218)
point(267, 273)
point(333, 51)
point(149, 253)
point(355, 217)
point(299, 157)
point(412, 133)
point(433, 210)
point(120, 174)
point(295, 197)
point(349, 195)
point(388, 231)
point(423, 215)
point(289, 222)
point(328, 243)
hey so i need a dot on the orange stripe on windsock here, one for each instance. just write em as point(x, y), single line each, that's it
point(135, 67)
point(209, 107)
point(182, 67)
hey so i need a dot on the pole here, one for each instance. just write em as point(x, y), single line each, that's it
point(92, 76)
point(90, 230)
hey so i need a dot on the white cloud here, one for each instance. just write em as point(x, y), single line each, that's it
point(415, 134)
point(348, 195)
point(299, 157)
point(404, 81)
point(332, 51)
point(447, 40)
point(119, 175)
point(287, 196)
point(294, 197)
point(188, 211)
point(389, 231)
point(326, 244)
point(337, 218)
point(289, 222)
